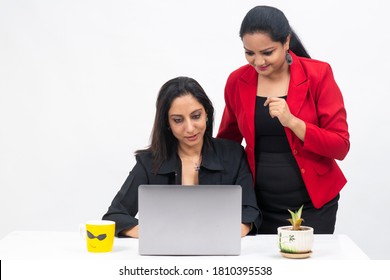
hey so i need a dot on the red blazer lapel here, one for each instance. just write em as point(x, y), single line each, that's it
point(298, 88)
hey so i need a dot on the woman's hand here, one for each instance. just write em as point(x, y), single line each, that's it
point(245, 229)
point(278, 107)
point(131, 232)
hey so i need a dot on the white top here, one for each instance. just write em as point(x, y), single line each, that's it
point(39, 245)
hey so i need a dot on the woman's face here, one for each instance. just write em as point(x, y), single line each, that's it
point(187, 120)
point(266, 56)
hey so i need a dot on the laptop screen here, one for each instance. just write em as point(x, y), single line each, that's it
point(189, 220)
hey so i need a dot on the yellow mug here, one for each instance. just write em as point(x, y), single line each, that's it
point(99, 235)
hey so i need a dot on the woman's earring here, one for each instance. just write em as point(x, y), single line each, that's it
point(289, 58)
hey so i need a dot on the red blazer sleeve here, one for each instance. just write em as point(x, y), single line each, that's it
point(229, 128)
point(328, 135)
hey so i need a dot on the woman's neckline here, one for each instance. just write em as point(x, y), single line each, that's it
point(283, 96)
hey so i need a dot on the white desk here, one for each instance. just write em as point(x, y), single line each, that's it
point(38, 245)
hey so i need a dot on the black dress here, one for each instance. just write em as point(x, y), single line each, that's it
point(279, 184)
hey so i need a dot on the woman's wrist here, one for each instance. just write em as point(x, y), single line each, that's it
point(130, 232)
point(245, 229)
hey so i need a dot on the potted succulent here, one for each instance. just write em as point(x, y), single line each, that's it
point(295, 241)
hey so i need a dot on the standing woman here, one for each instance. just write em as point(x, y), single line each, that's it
point(291, 113)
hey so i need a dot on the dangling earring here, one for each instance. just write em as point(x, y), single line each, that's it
point(289, 58)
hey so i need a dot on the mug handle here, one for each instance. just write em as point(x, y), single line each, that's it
point(83, 230)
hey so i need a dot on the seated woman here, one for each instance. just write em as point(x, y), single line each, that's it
point(183, 152)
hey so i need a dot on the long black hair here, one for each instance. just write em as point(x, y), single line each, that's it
point(163, 142)
point(272, 21)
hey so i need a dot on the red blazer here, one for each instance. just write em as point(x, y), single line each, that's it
point(314, 97)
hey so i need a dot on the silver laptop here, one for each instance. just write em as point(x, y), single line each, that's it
point(189, 220)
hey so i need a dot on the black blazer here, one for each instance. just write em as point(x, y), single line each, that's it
point(223, 162)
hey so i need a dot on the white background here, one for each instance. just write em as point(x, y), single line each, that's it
point(78, 82)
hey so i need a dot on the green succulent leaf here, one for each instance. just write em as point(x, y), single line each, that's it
point(296, 219)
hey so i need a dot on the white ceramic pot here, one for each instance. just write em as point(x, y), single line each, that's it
point(295, 241)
